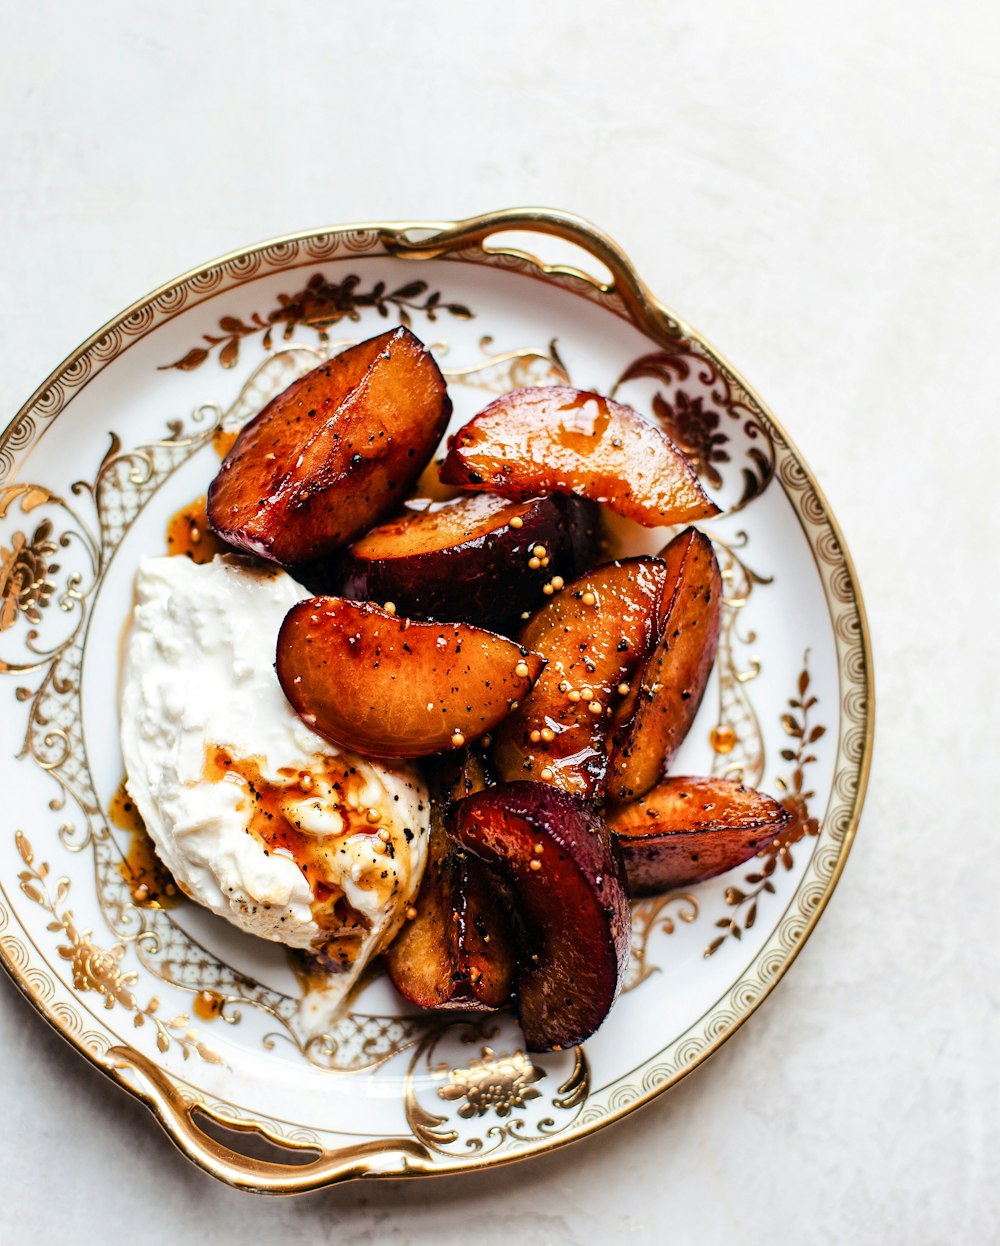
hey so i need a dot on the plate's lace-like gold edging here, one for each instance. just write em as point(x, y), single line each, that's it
point(513, 369)
point(321, 304)
point(692, 419)
point(358, 1042)
point(100, 969)
point(489, 1085)
point(803, 735)
point(739, 741)
point(647, 916)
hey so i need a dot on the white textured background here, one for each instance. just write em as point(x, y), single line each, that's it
point(816, 186)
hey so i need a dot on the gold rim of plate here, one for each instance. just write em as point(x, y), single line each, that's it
point(627, 296)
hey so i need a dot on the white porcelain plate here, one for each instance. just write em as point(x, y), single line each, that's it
point(198, 1020)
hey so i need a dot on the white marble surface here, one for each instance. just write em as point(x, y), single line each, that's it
point(816, 187)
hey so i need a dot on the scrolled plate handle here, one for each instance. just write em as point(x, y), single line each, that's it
point(395, 1156)
point(646, 312)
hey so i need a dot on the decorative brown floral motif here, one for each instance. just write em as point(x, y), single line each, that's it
point(796, 800)
point(100, 969)
point(319, 305)
point(495, 1083)
point(695, 431)
point(695, 426)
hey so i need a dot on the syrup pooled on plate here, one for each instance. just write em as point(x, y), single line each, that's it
point(189, 534)
point(150, 882)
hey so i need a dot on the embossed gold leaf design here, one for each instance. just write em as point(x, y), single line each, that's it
point(319, 305)
point(491, 1082)
point(491, 1091)
point(28, 579)
point(25, 567)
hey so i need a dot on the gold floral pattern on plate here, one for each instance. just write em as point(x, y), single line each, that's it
point(99, 969)
point(48, 597)
point(25, 587)
point(321, 304)
point(493, 1101)
point(491, 1083)
point(804, 733)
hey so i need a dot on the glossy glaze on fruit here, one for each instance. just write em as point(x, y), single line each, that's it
point(396, 688)
point(332, 454)
point(689, 829)
point(654, 719)
point(477, 559)
point(566, 876)
point(595, 634)
point(560, 440)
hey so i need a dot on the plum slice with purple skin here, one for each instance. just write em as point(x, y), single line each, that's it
point(333, 453)
point(471, 560)
point(689, 829)
point(457, 952)
point(385, 686)
point(567, 882)
point(653, 720)
point(553, 439)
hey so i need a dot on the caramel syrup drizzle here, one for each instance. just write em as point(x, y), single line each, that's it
point(150, 882)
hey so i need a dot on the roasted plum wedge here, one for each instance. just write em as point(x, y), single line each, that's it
point(568, 886)
point(478, 559)
point(689, 829)
point(332, 454)
point(553, 439)
point(654, 718)
point(384, 686)
point(458, 951)
point(596, 635)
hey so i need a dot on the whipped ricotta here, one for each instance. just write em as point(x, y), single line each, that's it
point(258, 818)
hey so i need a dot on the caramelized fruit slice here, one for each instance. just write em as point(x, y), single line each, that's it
point(567, 881)
point(385, 687)
point(560, 440)
point(687, 830)
point(333, 453)
point(595, 634)
point(651, 723)
point(472, 560)
point(458, 951)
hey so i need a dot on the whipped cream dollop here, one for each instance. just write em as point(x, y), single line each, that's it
point(258, 818)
